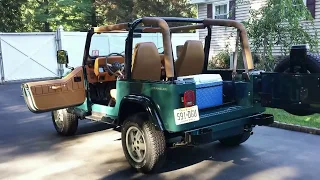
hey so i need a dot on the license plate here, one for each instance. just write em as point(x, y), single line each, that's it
point(186, 115)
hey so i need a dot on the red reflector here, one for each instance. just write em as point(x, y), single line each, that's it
point(188, 98)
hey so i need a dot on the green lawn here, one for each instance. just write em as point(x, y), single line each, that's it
point(283, 116)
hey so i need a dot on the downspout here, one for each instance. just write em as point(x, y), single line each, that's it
point(1, 65)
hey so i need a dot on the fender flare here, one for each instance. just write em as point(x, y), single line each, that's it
point(146, 103)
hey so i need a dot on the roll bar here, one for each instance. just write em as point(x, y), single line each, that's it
point(247, 57)
point(108, 28)
point(163, 27)
point(175, 29)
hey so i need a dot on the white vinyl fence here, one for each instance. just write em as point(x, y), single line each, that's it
point(27, 56)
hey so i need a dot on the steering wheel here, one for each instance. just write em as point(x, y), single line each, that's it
point(115, 68)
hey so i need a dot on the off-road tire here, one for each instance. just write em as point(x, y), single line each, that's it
point(312, 65)
point(235, 140)
point(155, 142)
point(69, 123)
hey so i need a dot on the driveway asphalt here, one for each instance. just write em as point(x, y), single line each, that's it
point(31, 149)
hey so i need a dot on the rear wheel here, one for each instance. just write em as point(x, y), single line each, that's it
point(312, 66)
point(65, 123)
point(144, 146)
point(235, 140)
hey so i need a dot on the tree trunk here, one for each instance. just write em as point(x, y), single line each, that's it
point(93, 14)
point(46, 24)
point(131, 10)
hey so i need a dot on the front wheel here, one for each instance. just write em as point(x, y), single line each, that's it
point(144, 146)
point(66, 124)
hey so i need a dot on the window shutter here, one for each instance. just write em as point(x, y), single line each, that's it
point(209, 11)
point(232, 9)
point(311, 5)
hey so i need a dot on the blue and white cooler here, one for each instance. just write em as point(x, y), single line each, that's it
point(208, 89)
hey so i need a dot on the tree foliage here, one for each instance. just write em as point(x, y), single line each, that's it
point(281, 23)
point(79, 15)
point(11, 15)
point(117, 11)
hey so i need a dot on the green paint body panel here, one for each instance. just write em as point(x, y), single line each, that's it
point(167, 97)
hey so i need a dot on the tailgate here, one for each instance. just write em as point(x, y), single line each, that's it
point(292, 92)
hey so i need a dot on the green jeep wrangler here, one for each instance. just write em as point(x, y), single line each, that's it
point(160, 102)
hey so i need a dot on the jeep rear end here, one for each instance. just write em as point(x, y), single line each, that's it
point(202, 113)
point(193, 102)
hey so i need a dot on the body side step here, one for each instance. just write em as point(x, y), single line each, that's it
point(96, 116)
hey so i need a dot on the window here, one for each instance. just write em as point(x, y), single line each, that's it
point(296, 1)
point(297, 5)
point(221, 11)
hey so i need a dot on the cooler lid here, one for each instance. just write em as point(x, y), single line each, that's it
point(201, 78)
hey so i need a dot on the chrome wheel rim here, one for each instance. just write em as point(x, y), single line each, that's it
point(136, 145)
point(59, 119)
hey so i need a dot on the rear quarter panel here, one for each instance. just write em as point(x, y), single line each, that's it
point(167, 97)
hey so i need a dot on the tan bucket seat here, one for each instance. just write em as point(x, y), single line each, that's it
point(146, 64)
point(191, 59)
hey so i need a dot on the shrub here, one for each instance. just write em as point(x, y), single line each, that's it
point(220, 61)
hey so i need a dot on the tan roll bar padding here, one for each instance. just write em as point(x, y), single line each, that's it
point(108, 28)
point(175, 29)
point(189, 27)
point(168, 60)
point(247, 57)
point(151, 30)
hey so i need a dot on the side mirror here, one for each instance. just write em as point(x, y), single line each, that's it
point(62, 57)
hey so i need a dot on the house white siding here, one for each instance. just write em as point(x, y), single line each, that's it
point(220, 35)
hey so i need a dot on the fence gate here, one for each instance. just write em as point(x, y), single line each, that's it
point(28, 56)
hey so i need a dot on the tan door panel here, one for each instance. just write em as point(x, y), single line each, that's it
point(60, 93)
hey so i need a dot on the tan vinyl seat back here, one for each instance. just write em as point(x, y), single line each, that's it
point(146, 62)
point(191, 59)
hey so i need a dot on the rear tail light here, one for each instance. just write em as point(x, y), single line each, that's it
point(188, 98)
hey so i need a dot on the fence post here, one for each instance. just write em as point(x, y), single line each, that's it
point(59, 47)
point(1, 65)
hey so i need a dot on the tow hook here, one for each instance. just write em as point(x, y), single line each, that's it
point(248, 129)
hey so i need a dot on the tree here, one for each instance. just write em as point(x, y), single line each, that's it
point(117, 11)
point(282, 23)
point(80, 15)
point(10, 15)
point(45, 15)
